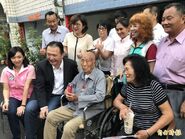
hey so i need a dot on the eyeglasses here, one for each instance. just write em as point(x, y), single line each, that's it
point(102, 28)
point(77, 24)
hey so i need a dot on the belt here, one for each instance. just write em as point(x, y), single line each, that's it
point(179, 87)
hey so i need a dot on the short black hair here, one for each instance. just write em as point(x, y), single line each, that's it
point(82, 18)
point(179, 7)
point(105, 24)
point(143, 76)
point(120, 14)
point(56, 44)
point(124, 22)
point(12, 52)
point(51, 13)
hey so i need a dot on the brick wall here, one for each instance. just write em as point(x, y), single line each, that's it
point(26, 7)
point(19, 8)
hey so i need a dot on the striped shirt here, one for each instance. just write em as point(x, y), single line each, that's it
point(145, 101)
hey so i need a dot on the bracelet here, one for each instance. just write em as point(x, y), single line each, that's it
point(147, 133)
point(23, 105)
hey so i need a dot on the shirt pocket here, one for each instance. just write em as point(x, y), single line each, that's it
point(90, 91)
point(176, 65)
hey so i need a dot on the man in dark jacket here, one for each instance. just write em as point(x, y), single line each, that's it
point(52, 76)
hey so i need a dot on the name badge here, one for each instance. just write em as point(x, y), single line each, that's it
point(11, 78)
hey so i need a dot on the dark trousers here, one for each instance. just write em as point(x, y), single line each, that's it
point(13, 119)
point(176, 98)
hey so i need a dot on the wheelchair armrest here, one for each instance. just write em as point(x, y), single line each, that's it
point(89, 106)
point(95, 103)
point(64, 100)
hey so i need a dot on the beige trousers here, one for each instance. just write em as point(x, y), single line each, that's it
point(56, 117)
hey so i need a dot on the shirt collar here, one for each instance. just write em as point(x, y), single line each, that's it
point(180, 38)
point(57, 31)
point(125, 39)
point(91, 75)
point(156, 26)
point(21, 70)
point(60, 67)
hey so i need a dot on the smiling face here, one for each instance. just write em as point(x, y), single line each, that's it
point(172, 21)
point(54, 56)
point(121, 30)
point(52, 22)
point(102, 31)
point(77, 28)
point(129, 72)
point(17, 60)
point(134, 31)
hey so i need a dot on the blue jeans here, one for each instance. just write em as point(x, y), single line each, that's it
point(31, 119)
point(13, 119)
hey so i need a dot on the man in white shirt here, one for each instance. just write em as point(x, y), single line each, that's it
point(158, 30)
point(52, 77)
point(54, 32)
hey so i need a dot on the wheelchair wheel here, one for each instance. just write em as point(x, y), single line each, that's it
point(91, 131)
point(111, 124)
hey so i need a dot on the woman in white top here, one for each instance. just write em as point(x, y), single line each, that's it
point(77, 41)
point(104, 45)
point(122, 46)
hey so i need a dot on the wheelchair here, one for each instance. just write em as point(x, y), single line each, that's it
point(104, 123)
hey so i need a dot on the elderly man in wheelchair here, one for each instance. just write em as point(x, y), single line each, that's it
point(88, 87)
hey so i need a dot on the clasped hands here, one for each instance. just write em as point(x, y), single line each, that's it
point(99, 45)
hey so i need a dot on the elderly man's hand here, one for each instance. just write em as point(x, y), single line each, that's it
point(71, 96)
point(182, 110)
